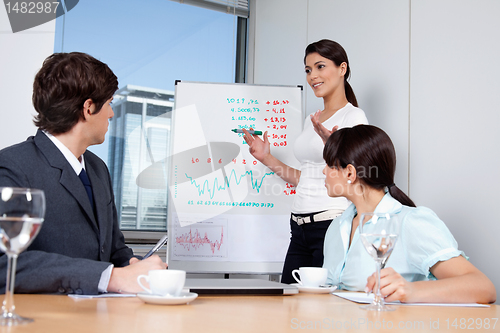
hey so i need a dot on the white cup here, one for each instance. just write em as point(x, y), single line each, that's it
point(310, 276)
point(164, 282)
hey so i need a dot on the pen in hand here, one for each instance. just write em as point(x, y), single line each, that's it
point(155, 248)
point(249, 131)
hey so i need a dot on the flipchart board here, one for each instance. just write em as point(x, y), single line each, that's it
point(227, 212)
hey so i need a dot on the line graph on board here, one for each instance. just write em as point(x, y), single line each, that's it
point(203, 239)
point(211, 171)
point(225, 184)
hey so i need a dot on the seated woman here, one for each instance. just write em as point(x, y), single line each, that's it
point(425, 265)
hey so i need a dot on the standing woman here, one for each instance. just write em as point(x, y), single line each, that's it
point(327, 70)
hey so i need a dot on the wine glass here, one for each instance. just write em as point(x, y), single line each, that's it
point(378, 232)
point(21, 215)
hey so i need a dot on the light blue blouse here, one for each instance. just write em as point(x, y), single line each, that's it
point(424, 240)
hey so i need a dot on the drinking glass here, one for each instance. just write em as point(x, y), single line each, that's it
point(378, 232)
point(21, 215)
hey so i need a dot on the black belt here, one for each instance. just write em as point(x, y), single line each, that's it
point(317, 217)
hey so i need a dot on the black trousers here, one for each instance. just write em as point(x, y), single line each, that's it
point(306, 247)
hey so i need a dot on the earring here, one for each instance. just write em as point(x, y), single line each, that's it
point(349, 181)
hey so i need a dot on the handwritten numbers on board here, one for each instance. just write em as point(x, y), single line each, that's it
point(272, 124)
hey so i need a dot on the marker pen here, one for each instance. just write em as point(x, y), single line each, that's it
point(249, 131)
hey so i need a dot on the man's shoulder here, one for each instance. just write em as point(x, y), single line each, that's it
point(34, 153)
point(19, 150)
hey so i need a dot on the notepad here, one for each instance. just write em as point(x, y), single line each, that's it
point(363, 298)
point(106, 295)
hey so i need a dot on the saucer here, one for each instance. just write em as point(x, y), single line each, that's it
point(314, 290)
point(183, 298)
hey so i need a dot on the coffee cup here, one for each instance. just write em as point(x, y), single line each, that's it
point(164, 282)
point(310, 276)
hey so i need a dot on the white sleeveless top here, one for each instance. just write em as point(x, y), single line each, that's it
point(311, 195)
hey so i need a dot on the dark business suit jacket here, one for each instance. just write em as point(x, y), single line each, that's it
point(74, 245)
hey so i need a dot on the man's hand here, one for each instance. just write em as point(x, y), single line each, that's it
point(124, 279)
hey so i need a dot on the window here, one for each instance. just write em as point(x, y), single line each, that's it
point(149, 45)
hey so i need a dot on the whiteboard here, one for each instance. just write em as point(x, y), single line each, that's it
point(227, 212)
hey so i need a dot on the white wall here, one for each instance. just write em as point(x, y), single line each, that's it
point(426, 72)
point(455, 117)
point(21, 57)
point(379, 66)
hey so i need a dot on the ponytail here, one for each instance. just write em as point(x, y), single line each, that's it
point(400, 196)
point(349, 93)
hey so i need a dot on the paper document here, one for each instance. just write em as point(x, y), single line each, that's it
point(360, 297)
point(107, 295)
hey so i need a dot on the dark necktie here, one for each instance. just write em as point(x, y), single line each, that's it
point(86, 183)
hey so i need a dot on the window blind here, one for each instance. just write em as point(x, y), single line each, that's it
point(236, 7)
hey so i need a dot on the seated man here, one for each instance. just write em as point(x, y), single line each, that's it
point(80, 248)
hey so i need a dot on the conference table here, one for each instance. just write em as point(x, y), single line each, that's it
point(301, 312)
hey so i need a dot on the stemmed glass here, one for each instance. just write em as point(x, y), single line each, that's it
point(378, 232)
point(21, 215)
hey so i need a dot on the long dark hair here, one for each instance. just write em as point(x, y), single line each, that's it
point(370, 150)
point(336, 53)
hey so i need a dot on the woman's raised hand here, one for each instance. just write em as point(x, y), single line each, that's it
point(322, 131)
point(260, 149)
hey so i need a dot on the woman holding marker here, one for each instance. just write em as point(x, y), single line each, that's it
point(425, 264)
point(327, 70)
